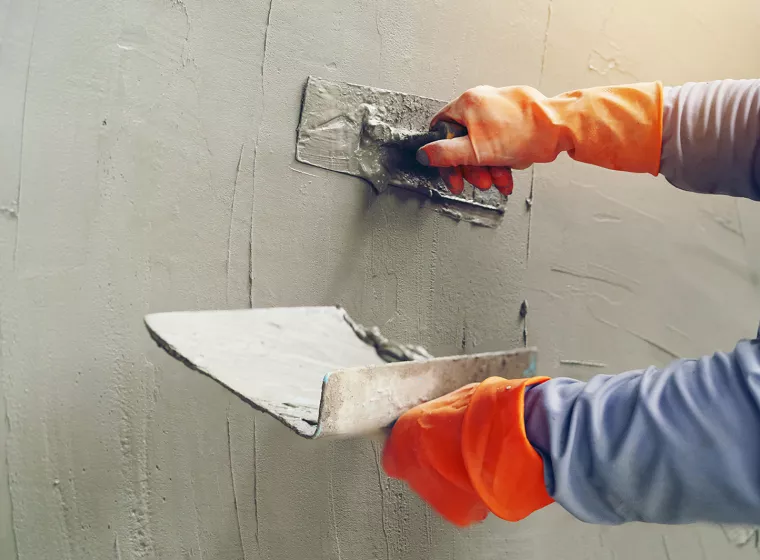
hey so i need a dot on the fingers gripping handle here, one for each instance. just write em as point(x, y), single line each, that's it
point(442, 130)
point(446, 130)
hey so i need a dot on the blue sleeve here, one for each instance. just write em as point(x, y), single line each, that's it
point(677, 445)
point(711, 137)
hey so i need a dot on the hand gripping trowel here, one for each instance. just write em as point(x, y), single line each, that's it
point(374, 134)
point(316, 370)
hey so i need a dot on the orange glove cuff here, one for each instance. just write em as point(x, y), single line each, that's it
point(504, 469)
point(616, 127)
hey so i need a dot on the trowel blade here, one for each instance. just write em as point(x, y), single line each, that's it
point(332, 134)
point(307, 367)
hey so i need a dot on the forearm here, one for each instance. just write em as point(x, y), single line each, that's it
point(711, 137)
point(677, 445)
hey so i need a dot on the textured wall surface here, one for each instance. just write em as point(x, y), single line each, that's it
point(146, 164)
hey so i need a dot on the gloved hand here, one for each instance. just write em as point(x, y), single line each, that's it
point(466, 454)
point(617, 127)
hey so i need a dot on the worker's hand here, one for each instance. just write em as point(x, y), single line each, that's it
point(425, 449)
point(616, 127)
point(466, 454)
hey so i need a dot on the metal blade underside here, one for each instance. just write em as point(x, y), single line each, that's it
point(307, 368)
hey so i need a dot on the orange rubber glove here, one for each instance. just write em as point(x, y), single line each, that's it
point(617, 127)
point(466, 454)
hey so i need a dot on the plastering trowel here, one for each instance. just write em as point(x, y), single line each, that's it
point(374, 134)
point(317, 371)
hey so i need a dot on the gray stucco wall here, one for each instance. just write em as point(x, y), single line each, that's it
point(146, 164)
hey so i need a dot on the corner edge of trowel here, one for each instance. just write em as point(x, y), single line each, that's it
point(166, 346)
point(304, 89)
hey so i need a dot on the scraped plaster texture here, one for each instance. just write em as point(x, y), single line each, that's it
point(146, 163)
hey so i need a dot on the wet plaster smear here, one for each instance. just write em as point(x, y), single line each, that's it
point(147, 164)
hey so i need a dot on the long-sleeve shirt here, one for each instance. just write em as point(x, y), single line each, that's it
point(679, 444)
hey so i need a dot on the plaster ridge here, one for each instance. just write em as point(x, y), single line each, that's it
point(379, 39)
point(529, 207)
point(116, 547)
point(665, 547)
point(23, 126)
point(256, 488)
point(739, 223)
point(654, 344)
point(387, 349)
point(266, 44)
point(546, 45)
point(332, 514)
point(262, 106)
point(250, 260)
point(232, 480)
point(7, 419)
point(232, 218)
point(585, 276)
point(382, 500)
point(10, 211)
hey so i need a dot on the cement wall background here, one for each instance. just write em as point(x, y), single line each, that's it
point(146, 164)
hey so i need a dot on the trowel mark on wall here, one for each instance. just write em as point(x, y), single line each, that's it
point(585, 363)
point(628, 206)
point(524, 317)
point(742, 535)
point(23, 122)
point(232, 220)
point(585, 276)
point(232, 482)
point(600, 319)
point(678, 331)
point(654, 344)
point(333, 517)
point(116, 547)
point(262, 107)
point(133, 440)
point(302, 172)
point(543, 55)
point(8, 211)
point(665, 548)
point(256, 488)
point(382, 487)
point(604, 217)
point(604, 65)
point(379, 40)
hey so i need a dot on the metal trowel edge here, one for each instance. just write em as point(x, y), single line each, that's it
point(359, 130)
point(313, 369)
point(364, 400)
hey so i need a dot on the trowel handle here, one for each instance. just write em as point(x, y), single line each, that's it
point(443, 130)
point(446, 130)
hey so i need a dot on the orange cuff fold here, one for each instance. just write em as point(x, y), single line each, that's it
point(504, 468)
point(616, 127)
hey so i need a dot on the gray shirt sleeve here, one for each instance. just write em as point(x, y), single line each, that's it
point(711, 137)
point(672, 445)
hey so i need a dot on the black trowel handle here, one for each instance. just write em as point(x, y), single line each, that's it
point(446, 130)
point(443, 130)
